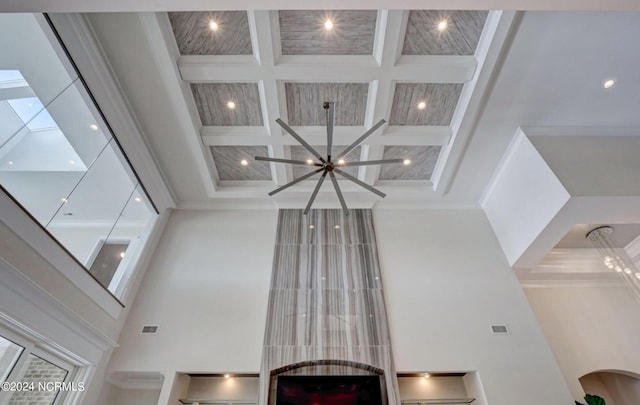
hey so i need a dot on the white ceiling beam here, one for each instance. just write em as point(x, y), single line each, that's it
point(238, 132)
point(262, 33)
point(393, 135)
point(158, 26)
point(392, 25)
point(223, 73)
point(432, 71)
point(494, 35)
point(428, 138)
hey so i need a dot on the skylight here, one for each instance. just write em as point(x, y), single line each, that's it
point(9, 76)
point(32, 113)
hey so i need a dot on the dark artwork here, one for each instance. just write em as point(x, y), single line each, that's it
point(329, 390)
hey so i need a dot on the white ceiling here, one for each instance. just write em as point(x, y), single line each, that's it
point(534, 81)
point(164, 5)
point(165, 104)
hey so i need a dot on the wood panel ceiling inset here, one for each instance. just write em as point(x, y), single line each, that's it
point(305, 100)
point(440, 98)
point(303, 32)
point(195, 37)
point(423, 160)
point(227, 160)
point(300, 153)
point(212, 101)
point(459, 38)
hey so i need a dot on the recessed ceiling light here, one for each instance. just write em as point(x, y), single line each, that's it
point(137, 199)
point(11, 163)
point(406, 162)
point(608, 84)
point(341, 161)
point(377, 278)
point(442, 25)
point(231, 105)
point(93, 127)
point(637, 275)
point(328, 25)
point(244, 162)
point(121, 254)
point(72, 162)
point(336, 227)
point(422, 105)
point(311, 226)
point(213, 26)
point(29, 104)
point(227, 376)
point(64, 200)
point(309, 161)
point(426, 375)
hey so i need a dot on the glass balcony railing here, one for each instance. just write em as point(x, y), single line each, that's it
point(58, 158)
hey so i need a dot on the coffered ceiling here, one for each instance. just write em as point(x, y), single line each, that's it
point(480, 78)
point(242, 70)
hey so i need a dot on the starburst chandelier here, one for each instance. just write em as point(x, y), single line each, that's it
point(329, 165)
point(616, 258)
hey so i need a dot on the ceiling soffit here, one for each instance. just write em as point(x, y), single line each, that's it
point(294, 67)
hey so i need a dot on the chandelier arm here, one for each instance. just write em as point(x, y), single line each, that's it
point(295, 181)
point(372, 162)
point(293, 162)
point(360, 183)
point(359, 140)
point(329, 109)
point(315, 192)
point(300, 140)
point(339, 193)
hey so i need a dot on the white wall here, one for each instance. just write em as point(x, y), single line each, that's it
point(522, 198)
point(207, 288)
point(589, 329)
point(446, 281)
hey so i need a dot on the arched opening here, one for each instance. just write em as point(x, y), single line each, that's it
point(617, 387)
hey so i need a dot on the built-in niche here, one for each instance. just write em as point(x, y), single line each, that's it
point(237, 389)
point(453, 388)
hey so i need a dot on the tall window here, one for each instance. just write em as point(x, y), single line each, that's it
point(31, 375)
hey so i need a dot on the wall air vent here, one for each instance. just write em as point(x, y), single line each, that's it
point(499, 329)
point(152, 329)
